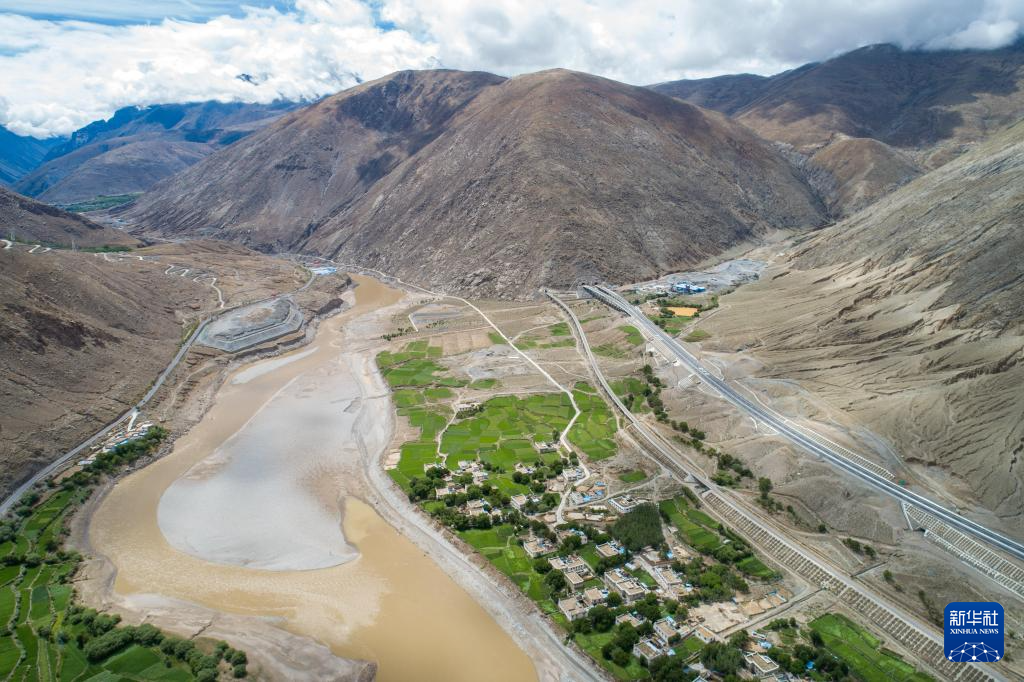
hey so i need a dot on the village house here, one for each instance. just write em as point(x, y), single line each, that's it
point(573, 563)
point(519, 501)
point(705, 635)
point(563, 534)
point(626, 503)
point(545, 446)
point(594, 596)
point(762, 666)
point(667, 629)
point(474, 507)
point(524, 468)
point(610, 549)
point(647, 650)
point(575, 581)
point(628, 587)
point(537, 547)
point(630, 618)
point(449, 490)
point(572, 607)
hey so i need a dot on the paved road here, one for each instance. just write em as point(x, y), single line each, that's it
point(798, 437)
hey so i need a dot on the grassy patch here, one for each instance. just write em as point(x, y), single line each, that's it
point(592, 644)
point(484, 384)
point(697, 335)
point(860, 649)
point(559, 329)
point(634, 476)
point(495, 338)
point(633, 335)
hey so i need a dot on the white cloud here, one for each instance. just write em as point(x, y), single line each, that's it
point(56, 76)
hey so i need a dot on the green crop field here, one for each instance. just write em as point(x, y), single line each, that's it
point(505, 428)
point(609, 350)
point(861, 651)
point(693, 534)
point(595, 428)
point(634, 476)
point(753, 566)
point(484, 384)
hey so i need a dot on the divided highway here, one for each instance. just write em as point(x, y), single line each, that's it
point(796, 436)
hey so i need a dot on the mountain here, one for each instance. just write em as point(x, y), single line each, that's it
point(139, 146)
point(863, 170)
point(935, 100)
point(471, 181)
point(888, 114)
point(910, 316)
point(19, 155)
point(27, 220)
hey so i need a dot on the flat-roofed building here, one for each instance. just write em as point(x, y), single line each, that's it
point(573, 607)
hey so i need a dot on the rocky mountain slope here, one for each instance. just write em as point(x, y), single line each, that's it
point(471, 181)
point(27, 220)
point(19, 155)
point(910, 316)
point(138, 146)
point(924, 107)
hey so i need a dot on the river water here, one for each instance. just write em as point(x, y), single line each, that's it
point(246, 515)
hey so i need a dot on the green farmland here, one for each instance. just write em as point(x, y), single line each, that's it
point(862, 651)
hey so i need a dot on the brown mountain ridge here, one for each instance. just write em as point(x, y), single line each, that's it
point(477, 182)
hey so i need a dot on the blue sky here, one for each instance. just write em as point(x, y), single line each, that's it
point(66, 63)
point(139, 11)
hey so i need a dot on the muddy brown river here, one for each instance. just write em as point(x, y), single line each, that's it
point(390, 604)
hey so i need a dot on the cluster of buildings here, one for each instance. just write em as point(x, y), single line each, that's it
point(118, 437)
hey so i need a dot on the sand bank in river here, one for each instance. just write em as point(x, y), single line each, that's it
point(268, 497)
point(383, 606)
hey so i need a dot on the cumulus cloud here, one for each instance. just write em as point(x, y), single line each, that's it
point(56, 76)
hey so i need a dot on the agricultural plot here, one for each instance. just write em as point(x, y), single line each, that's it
point(862, 651)
point(594, 430)
point(697, 536)
point(504, 431)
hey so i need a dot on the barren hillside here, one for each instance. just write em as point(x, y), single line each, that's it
point(910, 317)
point(474, 182)
point(27, 220)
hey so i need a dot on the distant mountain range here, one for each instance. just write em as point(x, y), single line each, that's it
point(19, 155)
point(129, 152)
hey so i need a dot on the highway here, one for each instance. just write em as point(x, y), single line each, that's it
point(797, 436)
